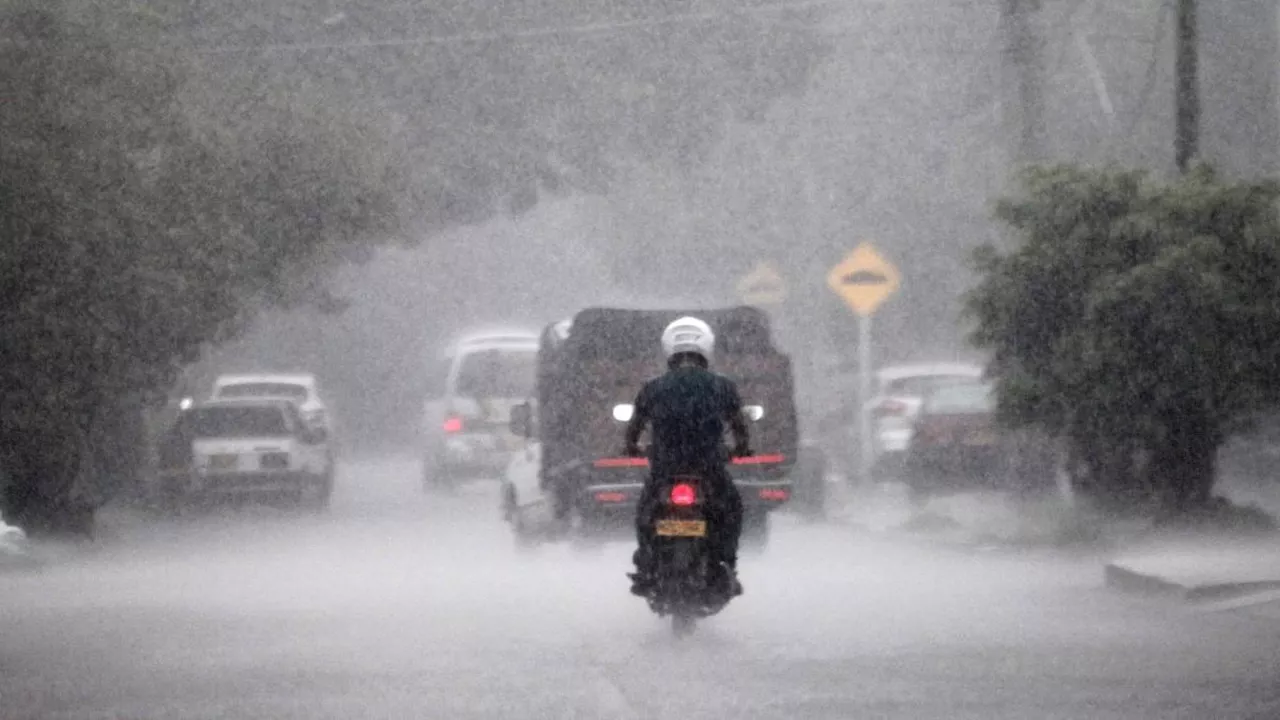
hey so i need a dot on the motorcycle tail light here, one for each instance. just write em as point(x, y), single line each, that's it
point(683, 495)
point(453, 425)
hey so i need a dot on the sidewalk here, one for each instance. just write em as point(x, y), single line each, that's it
point(1198, 569)
point(971, 519)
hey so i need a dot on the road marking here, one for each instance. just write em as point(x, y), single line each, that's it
point(1259, 598)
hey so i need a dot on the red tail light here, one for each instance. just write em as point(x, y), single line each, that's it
point(891, 407)
point(683, 495)
point(453, 425)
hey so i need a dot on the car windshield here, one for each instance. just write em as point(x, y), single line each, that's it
point(293, 391)
point(497, 374)
point(963, 398)
point(920, 385)
point(237, 422)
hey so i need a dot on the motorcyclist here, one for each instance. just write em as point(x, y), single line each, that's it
point(687, 408)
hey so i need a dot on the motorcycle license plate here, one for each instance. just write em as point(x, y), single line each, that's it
point(682, 528)
point(223, 462)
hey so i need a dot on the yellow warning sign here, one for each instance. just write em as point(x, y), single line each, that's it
point(864, 279)
point(762, 286)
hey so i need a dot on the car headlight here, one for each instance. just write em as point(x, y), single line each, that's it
point(186, 403)
point(755, 412)
point(624, 412)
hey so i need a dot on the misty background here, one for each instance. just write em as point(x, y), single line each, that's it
point(901, 139)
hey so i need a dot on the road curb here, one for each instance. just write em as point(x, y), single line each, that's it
point(1125, 580)
point(1131, 581)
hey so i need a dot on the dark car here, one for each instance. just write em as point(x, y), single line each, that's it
point(957, 446)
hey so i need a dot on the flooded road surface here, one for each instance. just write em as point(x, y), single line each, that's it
point(402, 605)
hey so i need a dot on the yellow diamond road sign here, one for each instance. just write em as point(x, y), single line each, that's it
point(762, 286)
point(864, 279)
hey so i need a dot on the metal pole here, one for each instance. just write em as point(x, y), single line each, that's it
point(864, 398)
point(1024, 64)
point(1187, 95)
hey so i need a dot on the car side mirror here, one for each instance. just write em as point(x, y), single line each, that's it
point(522, 420)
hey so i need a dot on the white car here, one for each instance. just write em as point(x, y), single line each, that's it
point(525, 504)
point(254, 446)
point(900, 390)
point(466, 416)
point(303, 389)
point(13, 542)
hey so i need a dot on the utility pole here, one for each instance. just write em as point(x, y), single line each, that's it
point(1024, 65)
point(1187, 94)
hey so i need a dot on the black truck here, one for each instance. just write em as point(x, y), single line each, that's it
point(589, 372)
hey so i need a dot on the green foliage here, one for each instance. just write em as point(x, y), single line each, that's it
point(1135, 315)
point(130, 238)
point(158, 183)
point(494, 102)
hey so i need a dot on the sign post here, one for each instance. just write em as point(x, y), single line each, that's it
point(864, 280)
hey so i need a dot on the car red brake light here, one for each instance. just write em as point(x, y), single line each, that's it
point(683, 495)
point(453, 425)
point(891, 408)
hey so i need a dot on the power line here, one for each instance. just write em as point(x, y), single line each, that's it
point(587, 29)
point(596, 28)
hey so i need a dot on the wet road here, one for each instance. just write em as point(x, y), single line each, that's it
point(399, 605)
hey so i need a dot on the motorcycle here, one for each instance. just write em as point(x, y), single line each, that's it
point(685, 587)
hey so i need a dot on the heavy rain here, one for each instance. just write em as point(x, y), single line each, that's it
point(324, 326)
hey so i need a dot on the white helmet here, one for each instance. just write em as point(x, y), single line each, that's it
point(688, 335)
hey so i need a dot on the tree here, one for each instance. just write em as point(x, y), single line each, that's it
point(491, 104)
point(149, 204)
point(129, 239)
point(1137, 319)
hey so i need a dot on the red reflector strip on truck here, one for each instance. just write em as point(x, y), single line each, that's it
point(760, 460)
point(644, 462)
point(621, 462)
point(611, 497)
point(774, 494)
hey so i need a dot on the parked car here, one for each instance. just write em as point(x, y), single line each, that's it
point(246, 447)
point(899, 392)
point(466, 417)
point(14, 548)
point(957, 446)
point(303, 389)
